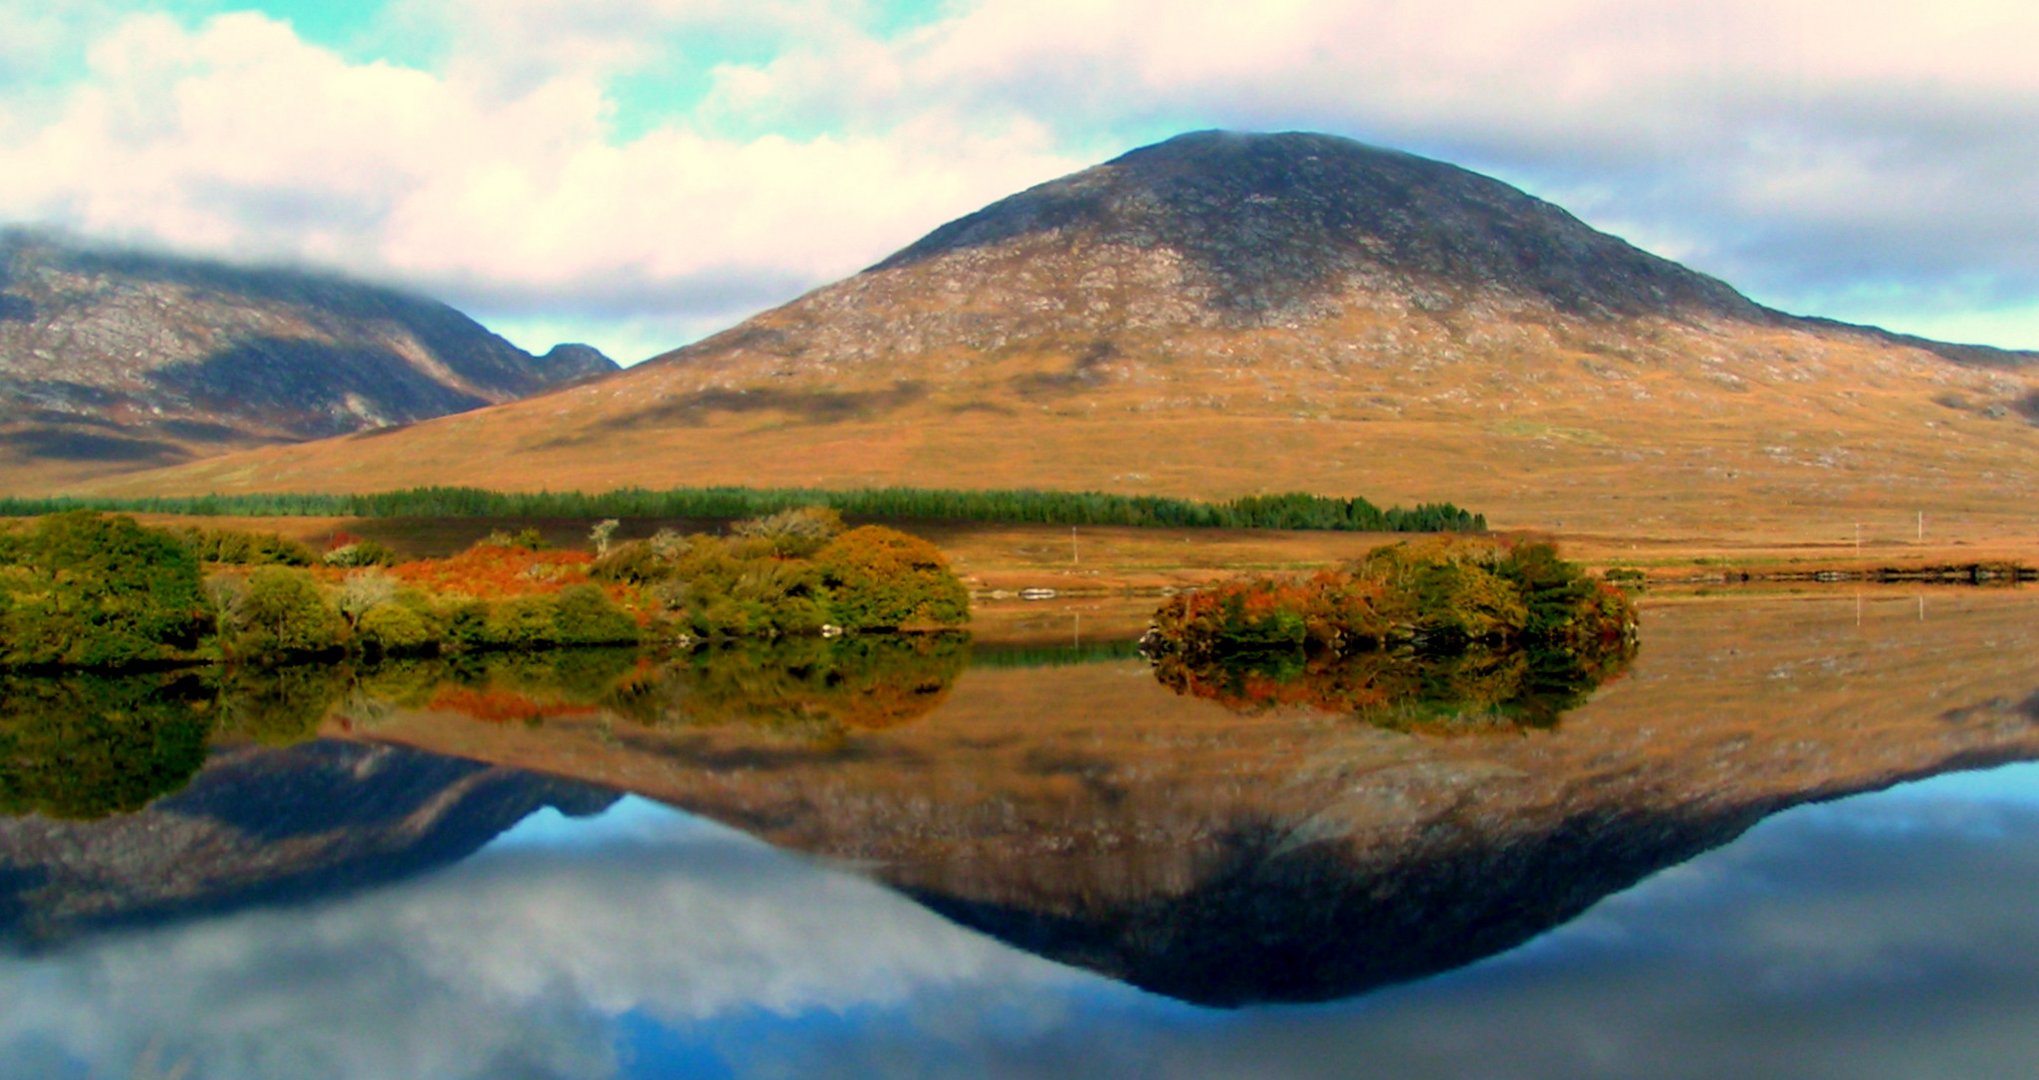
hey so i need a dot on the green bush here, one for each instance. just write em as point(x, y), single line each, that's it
point(87, 590)
point(1627, 578)
point(404, 626)
point(278, 614)
point(1244, 626)
point(1460, 602)
point(717, 587)
point(467, 625)
point(584, 615)
point(521, 622)
point(528, 538)
point(880, 578)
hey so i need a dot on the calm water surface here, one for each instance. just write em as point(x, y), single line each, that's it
point(1798, 837)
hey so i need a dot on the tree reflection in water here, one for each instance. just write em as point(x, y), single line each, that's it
point(84, 746)
point(815, 688)
point(1477, 690)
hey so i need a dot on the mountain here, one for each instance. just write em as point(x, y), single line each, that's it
point(263, 825)
point(113, 360)
point(1222, 314)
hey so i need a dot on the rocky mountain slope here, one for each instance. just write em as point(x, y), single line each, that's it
point(263, 825)
point(1221, 314)
point(113, 360)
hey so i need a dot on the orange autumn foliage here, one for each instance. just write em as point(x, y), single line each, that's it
point(491, 572)
point(502, 706)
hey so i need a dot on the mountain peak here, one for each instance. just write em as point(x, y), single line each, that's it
point(570, 360)
point(1277, 225)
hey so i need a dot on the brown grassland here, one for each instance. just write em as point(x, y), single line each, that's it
point(1105, 560)
point(1773, 441)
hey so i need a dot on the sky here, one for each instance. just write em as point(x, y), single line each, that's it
point(640, 173)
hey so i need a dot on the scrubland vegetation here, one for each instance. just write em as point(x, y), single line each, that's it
point(1437, 633)
point(1433, 596)
point(88, 590)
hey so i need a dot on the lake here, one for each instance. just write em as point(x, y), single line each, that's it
point(1796, 835)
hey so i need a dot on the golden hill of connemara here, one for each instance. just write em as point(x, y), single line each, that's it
point(1223, 314)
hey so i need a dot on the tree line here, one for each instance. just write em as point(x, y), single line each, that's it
point(1294, 510)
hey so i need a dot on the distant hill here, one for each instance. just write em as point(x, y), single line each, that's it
point(1224, 314)
point(113, 360)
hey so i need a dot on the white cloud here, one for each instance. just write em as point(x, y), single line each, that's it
point(1866, 160)
point(1802, 149)
point(238, 138)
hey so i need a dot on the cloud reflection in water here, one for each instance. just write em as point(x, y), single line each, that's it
point(1885, 935)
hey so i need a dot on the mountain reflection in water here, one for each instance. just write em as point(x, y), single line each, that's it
point(1883, 936)
point(1086, 814)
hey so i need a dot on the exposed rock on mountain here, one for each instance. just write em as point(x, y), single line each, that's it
point(1222, 314)
point(112, 360)
point(1266, 229)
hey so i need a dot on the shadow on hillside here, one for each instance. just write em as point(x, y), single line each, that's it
point(312, 389)
point(63, 392)
point(66, 444)
point(802, 406)
point(204, 431)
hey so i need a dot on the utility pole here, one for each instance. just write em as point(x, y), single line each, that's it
point(1922, 526)
point(1075, 556)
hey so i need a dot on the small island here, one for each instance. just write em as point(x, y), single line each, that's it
point(1443, 634)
